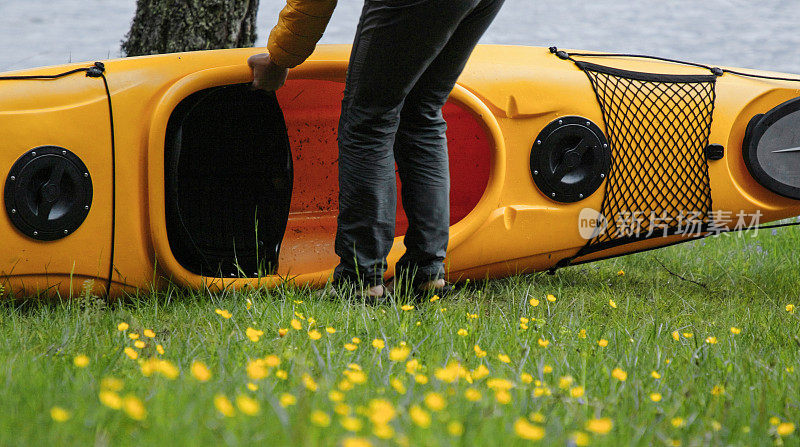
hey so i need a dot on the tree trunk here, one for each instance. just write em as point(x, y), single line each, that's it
point(168, 26)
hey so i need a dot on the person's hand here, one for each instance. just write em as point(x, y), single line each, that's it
point(266, 74)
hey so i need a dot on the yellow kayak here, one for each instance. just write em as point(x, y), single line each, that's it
point(138, 172)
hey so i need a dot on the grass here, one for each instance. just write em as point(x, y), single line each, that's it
point(715, 387)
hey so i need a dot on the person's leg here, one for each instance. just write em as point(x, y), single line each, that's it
point(421, 150)
point(395, 43)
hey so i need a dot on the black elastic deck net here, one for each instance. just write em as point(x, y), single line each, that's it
point(658, 126)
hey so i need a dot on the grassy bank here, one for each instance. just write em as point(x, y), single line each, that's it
point(689, 345)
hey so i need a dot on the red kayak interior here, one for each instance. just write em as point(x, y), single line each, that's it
point(311, 109)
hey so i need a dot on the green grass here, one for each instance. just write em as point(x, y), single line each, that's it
point(703, 288)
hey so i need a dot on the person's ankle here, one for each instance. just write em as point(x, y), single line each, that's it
point(432, 284)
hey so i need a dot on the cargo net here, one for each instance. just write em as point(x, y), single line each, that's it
point(658, 127)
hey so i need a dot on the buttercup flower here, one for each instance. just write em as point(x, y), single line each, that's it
point(134, 408)
point(600, 426)
point(526, 430)
point(200, 371)
point(149, 333)
point(619, 374)
point(378, 344)
point(602, 342)
point(247, 405)
point(59, 414)
point(224, 405)
point(223, 313)
point(123, 326)
point(81, 361)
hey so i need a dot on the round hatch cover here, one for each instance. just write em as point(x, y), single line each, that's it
point(570, 159)
point(48, 193)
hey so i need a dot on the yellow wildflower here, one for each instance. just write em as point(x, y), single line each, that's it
point(551, 298)
point(110, 399)
point(224, 405)
point(257, 369)
point(785, 429)
point(676, 336)
point(378, 344)
point(357, 340)
point(350, 346)
point(281, 374)
point(612, 304)
point(398, 386)
point(499, 384)
point(320, 418)
point(688, 334)
point(543, 343)
point(296, 325)
point(399, 354)
point(253, 334)
point(526, 430)
point(654, 374)
point(479, 352)
point(407, 307)
point(718, 390)
point(711, 340)
point(655, 397)
point(149, 333)
point(81, 361)
point(619, 374)
point(134, 408)
point(381, 411)
point(419, 416)
point(462, 332)
point(139, 344)
point(526, 378)
point(547, 369)
point(434, 298)
point(582, 333)
point(133, 355)
point(422, 379)
point(565, 382)
point(504, 358)
point(576, 391)
point(223, 313)
point(790, 308)
point(435, 401)
point(133, 336)
point(272, 360)
point(200, 371)
point(356, 442)
point(581, 439)
point(472, 394)
point(335, 396)
point(357, 377)
point(330, 330)
point(534, 302)
point(314, 334)
point(160, 349)
point(774, 420)
point(351, 423)
point(282, 332)
point(502, 397)
point(247, 405)
point(123, 326)
point(287, 399)
point(248, 304)
point(59, 414)
point(252, 386)
point(455, 428)
point(735, 330)
point(602, 342)
point(677, 422)
point(600, 426)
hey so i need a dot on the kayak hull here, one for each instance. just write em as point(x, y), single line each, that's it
point(502, 223)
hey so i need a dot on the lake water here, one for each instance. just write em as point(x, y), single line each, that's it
point(742, 33)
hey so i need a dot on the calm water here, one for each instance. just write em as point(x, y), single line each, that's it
point(745, 33)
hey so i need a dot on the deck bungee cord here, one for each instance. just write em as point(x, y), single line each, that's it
point(96, 70)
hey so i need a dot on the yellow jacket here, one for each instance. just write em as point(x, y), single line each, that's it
point(300, 26)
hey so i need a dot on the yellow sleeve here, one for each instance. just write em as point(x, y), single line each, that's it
point(300, 26)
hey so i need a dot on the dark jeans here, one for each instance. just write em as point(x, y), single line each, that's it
point(405, 61)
